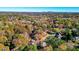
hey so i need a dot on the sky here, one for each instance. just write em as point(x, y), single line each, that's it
point(39, 9)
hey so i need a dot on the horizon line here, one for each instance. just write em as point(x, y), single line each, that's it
point(39, 9)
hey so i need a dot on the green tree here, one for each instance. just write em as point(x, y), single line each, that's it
point(54, 42)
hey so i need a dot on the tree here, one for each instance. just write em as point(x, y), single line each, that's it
point(54, 42)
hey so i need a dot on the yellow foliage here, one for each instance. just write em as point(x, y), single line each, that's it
point(3, 39)
point(1, 46)
point(48, 48)
point(41, 36)
point(4, 48)
point(57, 29)
point(21, 40)
point(63, 46)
